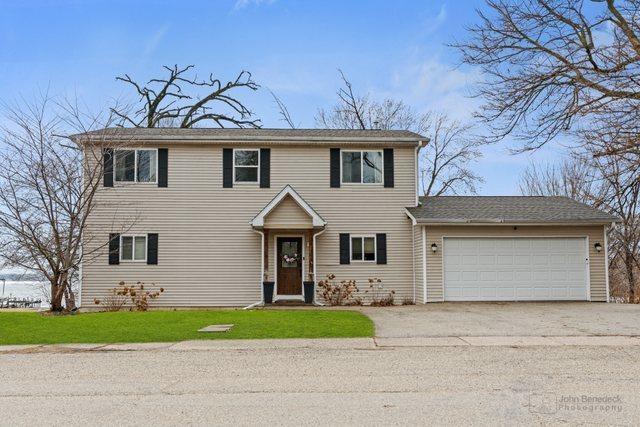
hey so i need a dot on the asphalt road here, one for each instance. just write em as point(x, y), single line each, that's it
point(349, 386)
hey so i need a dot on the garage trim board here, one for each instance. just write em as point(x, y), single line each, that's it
point(550, 268)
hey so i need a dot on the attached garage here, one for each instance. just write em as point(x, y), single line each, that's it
point(509, 249)
point(515, 268)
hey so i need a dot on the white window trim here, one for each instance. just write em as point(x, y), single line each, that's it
point(135, 166)
point(362, 237)
point(342, 182)
point(257, 181)
point(133, 249)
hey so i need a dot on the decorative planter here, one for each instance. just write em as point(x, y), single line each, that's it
point(308, 292)
point(267, 291)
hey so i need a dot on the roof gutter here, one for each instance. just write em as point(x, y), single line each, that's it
point(80, 138)
point(489, 222)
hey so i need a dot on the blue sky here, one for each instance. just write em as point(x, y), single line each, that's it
point(387, 48)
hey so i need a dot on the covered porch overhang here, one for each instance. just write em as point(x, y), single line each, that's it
point(288, 216)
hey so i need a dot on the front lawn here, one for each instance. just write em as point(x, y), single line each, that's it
point(166, 326)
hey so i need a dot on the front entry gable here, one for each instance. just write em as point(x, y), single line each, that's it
point(288, 210)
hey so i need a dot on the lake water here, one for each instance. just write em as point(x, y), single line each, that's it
point(23, 290)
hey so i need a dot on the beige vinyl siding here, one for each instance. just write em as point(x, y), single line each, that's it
point(594, 234)
point(208, 254)
point(288, 214)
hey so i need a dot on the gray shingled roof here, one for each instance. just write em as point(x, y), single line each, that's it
point(506, 209)
point(220, 134)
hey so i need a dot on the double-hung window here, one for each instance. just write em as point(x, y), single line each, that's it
point(136, 165)
point(361, 167)
point(363, 248)
point(133, 248)
point(246, 166)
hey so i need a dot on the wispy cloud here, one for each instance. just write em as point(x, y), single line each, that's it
point(241, 4)
point(155, 40)
point(434, 22)
point(432, 84)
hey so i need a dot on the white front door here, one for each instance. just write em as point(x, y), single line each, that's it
point(515, 269)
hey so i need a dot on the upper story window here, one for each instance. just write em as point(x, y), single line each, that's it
point(133, 248)
point(361, 167)
point(363, 248)
point(246, 165)
point(135, 165)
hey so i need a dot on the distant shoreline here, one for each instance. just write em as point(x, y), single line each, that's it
point(23, 289)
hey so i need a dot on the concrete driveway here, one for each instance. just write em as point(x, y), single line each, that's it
point(506, 319)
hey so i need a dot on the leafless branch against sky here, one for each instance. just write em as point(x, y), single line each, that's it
point(165, 101)
point(547, 71)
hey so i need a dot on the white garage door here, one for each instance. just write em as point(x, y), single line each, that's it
point(513, 269)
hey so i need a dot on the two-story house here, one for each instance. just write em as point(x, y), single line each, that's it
point(214, 215)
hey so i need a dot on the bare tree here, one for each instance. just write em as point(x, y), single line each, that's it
point(446, 159)
point(47, 189)
point(164, 101)
point(558, 66)
point(285, 116)
point(604, 182)
point(445, 163)
point(355, 111)
point(573, 177)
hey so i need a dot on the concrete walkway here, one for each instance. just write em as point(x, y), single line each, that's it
point(334, 344)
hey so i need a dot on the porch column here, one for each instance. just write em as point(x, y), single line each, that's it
point(310, 255)
point(265, 251)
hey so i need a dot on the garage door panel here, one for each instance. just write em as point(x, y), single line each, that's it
point(468, 276)
point(488, 260)
point(521, 260)
point(540, 276)
point(504, 260)
point(471, 259)
point(488, 276)
point(503, 269)
point(539, 260)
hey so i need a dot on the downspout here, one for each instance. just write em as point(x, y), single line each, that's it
point(424, 264)
point(315, 277)
point(417, 170)
point(79, 302)
point(261, 302)
point(606, 258)
point(413, 257)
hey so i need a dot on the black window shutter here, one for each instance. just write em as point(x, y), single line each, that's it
point(345, 248)
point(114, 249)
point(130, 166)
point(227, 167)
point(388, 167)
point(163, 167)
point(334, 167)
point(152, 248)
point(381, 248)
point(265, 167)
point(107, 166)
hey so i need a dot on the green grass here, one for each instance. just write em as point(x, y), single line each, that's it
point(166, 326)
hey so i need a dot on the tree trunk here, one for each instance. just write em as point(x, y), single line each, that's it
point(57, 292)
point(631, 278)
point(69, 297)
